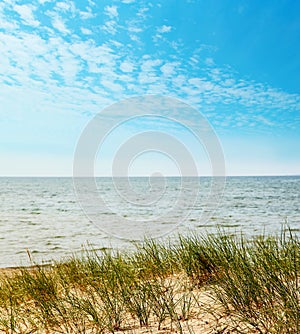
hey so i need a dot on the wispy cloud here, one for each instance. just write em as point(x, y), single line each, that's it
point(111, 11)
point(26, 14)
point(164, 29)
point(8, 24)
point(110, 27)
point(86, 31)
point(66, 6)
point(87, 14)
point(86, 73)
point(58, 22)
point(126, 66)
point(168, 69)
point(42, 2)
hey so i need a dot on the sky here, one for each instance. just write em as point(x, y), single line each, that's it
point(236, 62)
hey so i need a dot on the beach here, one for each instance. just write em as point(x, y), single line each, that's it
point(235, 272)
point(200, 284)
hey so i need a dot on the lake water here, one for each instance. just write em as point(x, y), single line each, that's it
point(47, 217)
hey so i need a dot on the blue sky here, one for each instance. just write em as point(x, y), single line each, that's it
point(237, 62)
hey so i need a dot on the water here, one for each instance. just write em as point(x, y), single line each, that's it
point(43, 215)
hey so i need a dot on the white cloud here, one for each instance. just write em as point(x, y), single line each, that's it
point(147, 78)
point(110, 27)
point(66, 6)
point(115, 87)
point(142, 13)
point(164, 29)
point(88, 14)
point(111, 11)
point(86, 31)
point(58, 23)
point(7, 25)
point(134, 38)
point(209, 61)
point(9, 2)
point(150, 64)
point(93, 54)
point(194, 60)
point(44, 1)
point(264, 120)
point(91, 3)
point(27, 65)
point(26, 14)
point(161, 31)
point(112, 69)
point(93, 67)
point(126, 66)
point(133, 28)
point(168, 68)
point(228, 82)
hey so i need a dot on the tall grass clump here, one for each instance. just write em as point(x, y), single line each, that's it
point(154, 259)
point(195, 258)
point(259, 283)
point(252, 283)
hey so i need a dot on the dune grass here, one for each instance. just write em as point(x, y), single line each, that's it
point(254, 283)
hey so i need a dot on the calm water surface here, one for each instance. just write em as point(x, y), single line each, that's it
point(43, 215)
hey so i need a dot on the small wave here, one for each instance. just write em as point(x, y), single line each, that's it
point(62, 210)
point(35, 212)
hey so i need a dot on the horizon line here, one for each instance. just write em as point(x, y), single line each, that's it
point(130, 176)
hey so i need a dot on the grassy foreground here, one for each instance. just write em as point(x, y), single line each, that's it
point(200, 284)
